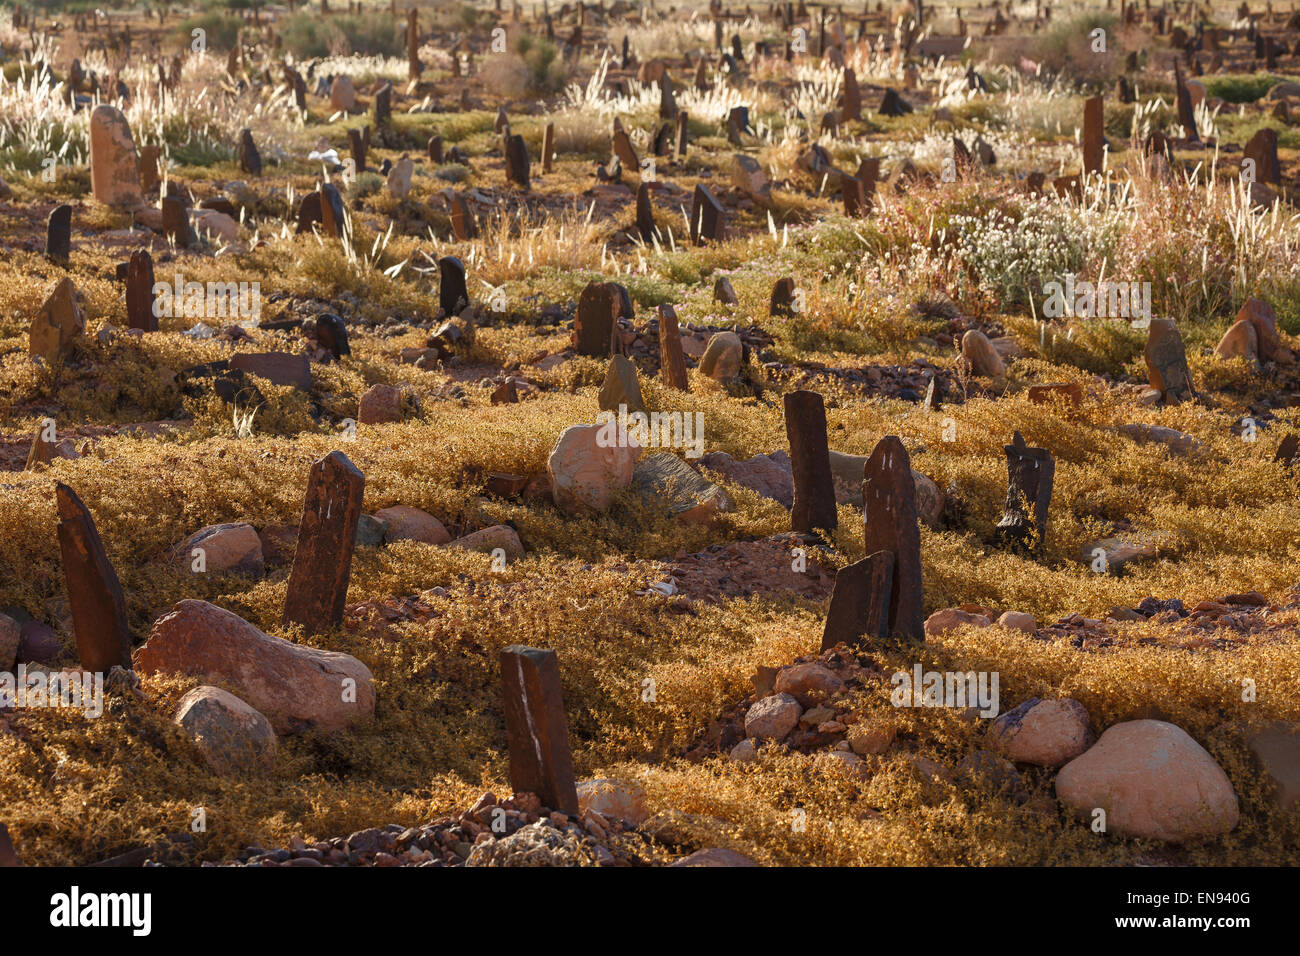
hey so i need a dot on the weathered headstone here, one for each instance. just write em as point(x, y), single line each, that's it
point(681, 132)
point(357, 146)
point(1262, 148)
point(1094, 135)
point(852, 108)
point(1186, 115)
point(435, 149)
point(672, 363)
point(58, 234)
point(176, 221)
point(462, 220)
point(1166, 362)
point(708, 218)
point(814, 486)
point(114, 165)
point(139, 292)
point(1030, 475)
point(453, 294)
point(622, 148)
point(327, 534)
point(782, 301)
point(593, 326)
point(548, 147)
point(94, 593)
point(8, 855)
point(332, 335)
point(645, 218)
point(414, 67)
point(384, 105)
point(517, 160)
point(309, 211)
point(860, 602)
point(332, 217)
point(250, 160)
point(890, 522)
point(891, 104)
point(536, 727)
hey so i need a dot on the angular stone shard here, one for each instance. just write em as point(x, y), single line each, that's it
point(327, 533)
point(860, 602)
point(645, 217)
point(890, 521)
point(58, 325)
point(621, 387)
point(814, 488)
point(8, 855)
point(250, 160)
point(278, 368)
point(1030, 474)
point(537, 728)
point(98, 606)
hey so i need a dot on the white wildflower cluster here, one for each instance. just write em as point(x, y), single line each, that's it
point(1012, 258)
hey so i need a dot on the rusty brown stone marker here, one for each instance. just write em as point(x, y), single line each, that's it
point(536, 727)
point(8, 855)
point(1030, 474)
point(1286, 450)
point(593, 326)
point(860, 602)
point(672, 363)
point(327, 535)
point(889, 509)
point(1094, 134)
point(548, 147)
point(814, 486)
point(645, 216)
point(1166, 361)
point(708, 218)
point(139, 292)
point(98, 607)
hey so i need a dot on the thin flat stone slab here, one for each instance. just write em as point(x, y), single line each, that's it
point(891, 524)
point(664, 482)
point(621, 387)
point(860, 602)
point(536, 727)
point(139, 292)
point(1262, 148)
point(593, 326)
point(331, 208)
point(98, 606)
point(278, 368)
point(814, 486)
point(1030, 474)
point(327, 534)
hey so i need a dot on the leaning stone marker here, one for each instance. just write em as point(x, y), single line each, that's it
point(860, 602)
point(1262, 148)
point(139, 292)
point(889, 506)
point(536, 727)
point(8, 855)
point(98, 607)
point(327, 534)
point(1030, 474)
point(814, 488)
point(593, 326)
